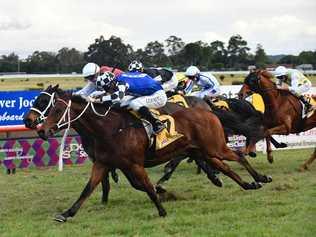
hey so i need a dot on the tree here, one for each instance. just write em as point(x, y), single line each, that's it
point(154, 54)
point(289, 59)
point(219, 54)
point(307, 57)
point(261, 58)
point(174, 45)
point(9, 63)
point(70, 60)
point(41, 62)
point(112, 52)
point(237, 52)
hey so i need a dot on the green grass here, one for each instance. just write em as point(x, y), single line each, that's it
point(286, 207)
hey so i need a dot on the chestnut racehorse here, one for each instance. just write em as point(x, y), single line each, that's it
point(283, 110)
point(121, 142)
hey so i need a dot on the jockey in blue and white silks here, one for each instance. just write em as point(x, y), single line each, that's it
point(137, 90)
point(208, 83)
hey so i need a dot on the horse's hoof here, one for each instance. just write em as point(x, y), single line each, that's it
point(268, 178)
point(217, 181)
point(160, 189)
point(256, 185)
point(60, 218)
point(283, 145)
point(252, 154)
point(270, 159)
point(162, 213)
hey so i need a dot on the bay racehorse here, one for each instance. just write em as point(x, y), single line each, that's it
point(121, 142)
point(283, 110)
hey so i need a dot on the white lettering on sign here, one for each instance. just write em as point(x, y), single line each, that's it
point(7, 103)
point(25, 103)
point(8, 117)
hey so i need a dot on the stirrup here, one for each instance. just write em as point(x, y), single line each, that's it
point(158, 127)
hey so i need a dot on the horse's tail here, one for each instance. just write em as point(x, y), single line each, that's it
point(234, 123)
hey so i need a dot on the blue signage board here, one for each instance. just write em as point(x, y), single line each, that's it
point(14, 105)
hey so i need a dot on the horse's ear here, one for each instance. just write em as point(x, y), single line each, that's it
point(56, 87)
point(49, 87)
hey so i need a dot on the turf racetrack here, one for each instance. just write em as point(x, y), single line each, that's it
point(286, 207)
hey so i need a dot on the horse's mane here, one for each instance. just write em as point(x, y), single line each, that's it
point(265, 73)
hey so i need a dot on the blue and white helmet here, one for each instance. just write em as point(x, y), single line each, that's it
point(135, 66)
point(104, 80)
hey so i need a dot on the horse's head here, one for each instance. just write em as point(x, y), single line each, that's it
point(57, 114)
point(41, 107)
point(62, 114)
point(257, 81)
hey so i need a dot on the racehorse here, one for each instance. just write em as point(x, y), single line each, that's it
point(120, 142)
point(283, 110)
point(244, 119)
point(46, 100)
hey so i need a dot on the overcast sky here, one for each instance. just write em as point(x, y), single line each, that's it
point(282, 27)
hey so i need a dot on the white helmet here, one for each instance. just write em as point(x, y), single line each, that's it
point(280, 71)
point(104, 80)
point(135, 66)
point(90, 69)
point(192, 71)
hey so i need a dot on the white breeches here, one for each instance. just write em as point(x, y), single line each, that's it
point(154, 101)
point(209, 92)
point(302, 88)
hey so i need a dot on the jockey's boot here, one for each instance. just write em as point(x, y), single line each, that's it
point(308, 106)
point(158, 126)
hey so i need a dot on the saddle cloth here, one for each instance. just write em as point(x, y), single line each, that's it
point(178, 99)
point(312, 101)
point(166, 136)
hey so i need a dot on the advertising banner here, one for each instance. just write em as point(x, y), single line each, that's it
point(14, 105)
point(24, 153)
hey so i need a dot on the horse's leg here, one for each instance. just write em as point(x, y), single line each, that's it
point(240, 158)
point(257, 177)
point(105, 188)
point(97, 174)
point(269, 150)
point(225, 169)
point(276, 144)
point(250, 147)
point(210, 172)
point(308, 162)
point(139, 179)
point(169, 169)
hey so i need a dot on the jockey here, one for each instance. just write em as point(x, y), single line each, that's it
point(148, 93)
point(90, 73)
point(165, 77)
point(208, 83)
point(298, 83)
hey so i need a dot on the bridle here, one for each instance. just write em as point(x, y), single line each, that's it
point(51, 103)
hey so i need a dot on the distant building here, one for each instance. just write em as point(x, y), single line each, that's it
point(305, 67)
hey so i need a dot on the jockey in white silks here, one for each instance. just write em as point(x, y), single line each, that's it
point(209, 86)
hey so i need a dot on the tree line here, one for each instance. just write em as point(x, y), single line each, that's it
point(173, 52)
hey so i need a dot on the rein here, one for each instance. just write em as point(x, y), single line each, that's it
point(67, 121)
